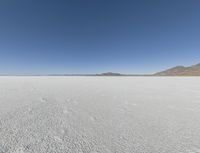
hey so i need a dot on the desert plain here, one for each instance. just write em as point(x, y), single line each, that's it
point(77, 114)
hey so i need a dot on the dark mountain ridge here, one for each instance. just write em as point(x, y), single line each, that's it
point(193, 70)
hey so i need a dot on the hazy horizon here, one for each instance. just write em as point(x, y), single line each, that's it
point(89, 37)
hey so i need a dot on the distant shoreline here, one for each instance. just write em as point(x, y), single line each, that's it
point(99, 76)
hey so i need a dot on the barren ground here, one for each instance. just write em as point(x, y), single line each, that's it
point(99, 115)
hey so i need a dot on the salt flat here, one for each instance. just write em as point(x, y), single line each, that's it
point(99, 114)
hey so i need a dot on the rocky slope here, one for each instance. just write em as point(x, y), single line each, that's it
point(193, 70)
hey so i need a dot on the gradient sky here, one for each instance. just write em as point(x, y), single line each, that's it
point(94, 36)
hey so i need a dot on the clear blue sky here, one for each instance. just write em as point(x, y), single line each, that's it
point(94, 36)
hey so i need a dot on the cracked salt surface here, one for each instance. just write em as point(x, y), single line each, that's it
point(99, 114)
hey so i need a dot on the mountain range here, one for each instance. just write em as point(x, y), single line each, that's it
point(193, 70)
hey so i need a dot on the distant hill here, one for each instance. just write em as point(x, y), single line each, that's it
point(193, 70)
point(110, 74)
